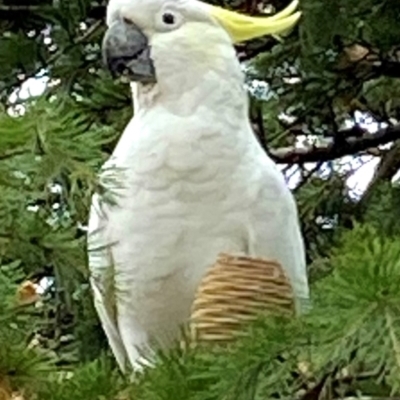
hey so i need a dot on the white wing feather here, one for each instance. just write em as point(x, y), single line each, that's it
point(275, 229)
point(102, 279)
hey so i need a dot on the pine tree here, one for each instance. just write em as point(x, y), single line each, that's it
point(334, 76)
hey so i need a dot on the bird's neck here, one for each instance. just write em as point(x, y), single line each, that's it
point(185, 92)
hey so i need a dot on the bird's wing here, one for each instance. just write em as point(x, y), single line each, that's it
point(102, 278)
point(274, 231)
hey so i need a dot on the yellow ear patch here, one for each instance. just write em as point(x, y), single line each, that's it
point(244, 27)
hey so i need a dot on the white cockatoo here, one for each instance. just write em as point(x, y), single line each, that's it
point(188, 178)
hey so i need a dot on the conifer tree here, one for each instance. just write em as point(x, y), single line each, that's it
point(324, 103)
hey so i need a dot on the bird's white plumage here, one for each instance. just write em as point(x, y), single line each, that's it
point(190, 181)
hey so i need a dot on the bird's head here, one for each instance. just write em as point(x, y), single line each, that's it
point(150, 40)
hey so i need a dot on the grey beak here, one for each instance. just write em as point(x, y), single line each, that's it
point(126, 52)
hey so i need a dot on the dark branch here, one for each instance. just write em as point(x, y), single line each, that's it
point(55, 56)
point(13, 153)
point(252, 49)
point(363, 62)
point(308, 176)
point(391, 63)
point(387, 168)
point(332, 151)
point(13, 8)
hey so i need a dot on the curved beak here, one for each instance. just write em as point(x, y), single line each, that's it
point(126, 52)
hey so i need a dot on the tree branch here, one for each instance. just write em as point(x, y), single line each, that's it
point(387, 168)
point(252, 49)
point(14, 8)
point(332, 151)
point(14, 153)
point(364, 62)
point(55, 56)
point(308, 176)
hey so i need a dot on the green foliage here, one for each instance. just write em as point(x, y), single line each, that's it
point(354, 325)
point(21, 365)
point(52, 149)
point(64, 136)
point(96, 380)
point(358, 304)
point(385, 202)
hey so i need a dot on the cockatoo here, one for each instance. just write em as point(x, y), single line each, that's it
point(188, 179)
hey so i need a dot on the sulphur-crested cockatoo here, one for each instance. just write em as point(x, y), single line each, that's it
point(188, 178)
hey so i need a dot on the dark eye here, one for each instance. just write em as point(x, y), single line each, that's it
point(168, 19)
point(127, 21)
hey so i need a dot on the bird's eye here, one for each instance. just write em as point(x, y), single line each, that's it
point(168, 18)
point(127, 21)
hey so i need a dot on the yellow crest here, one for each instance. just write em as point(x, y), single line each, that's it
point(244, 27)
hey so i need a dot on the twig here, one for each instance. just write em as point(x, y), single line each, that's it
point(332, 151)
point(258, 125)
point(362, 61)
point(30, 8)
point(14, 153)
point(55, 56)
point(77, 41)
point(249, 50)
point(308, 176)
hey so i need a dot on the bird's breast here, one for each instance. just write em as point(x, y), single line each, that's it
point(182, 195)
point(189, 160)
